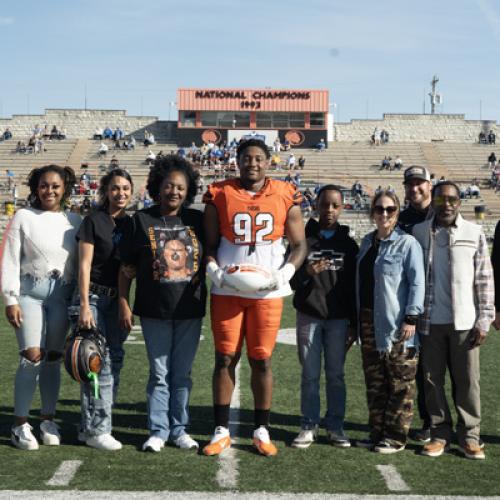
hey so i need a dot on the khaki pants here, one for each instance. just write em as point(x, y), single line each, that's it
point(445, 347)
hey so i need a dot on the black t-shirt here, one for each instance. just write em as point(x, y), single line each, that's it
point(105, 233)
point(367, 278)
point(167, 252)
point(410, 217)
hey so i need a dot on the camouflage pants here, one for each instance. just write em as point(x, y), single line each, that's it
point(390, 385)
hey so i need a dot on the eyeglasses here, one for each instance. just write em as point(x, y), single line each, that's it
point(379, 209)
point(442, 200)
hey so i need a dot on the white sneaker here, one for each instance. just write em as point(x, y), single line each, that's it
point(154, 443)
point(22, 437)
point(305, 438)
point(104, 442)
point(186, 442)
point(49, 432)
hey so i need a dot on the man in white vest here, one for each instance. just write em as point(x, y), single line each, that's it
point(459, 308)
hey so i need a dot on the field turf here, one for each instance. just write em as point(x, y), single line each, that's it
point(319, 469)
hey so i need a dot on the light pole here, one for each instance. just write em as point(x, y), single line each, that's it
point(171, 104)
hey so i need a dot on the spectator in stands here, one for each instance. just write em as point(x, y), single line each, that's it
point(150, 158)
point(321, 146)
point(442, 179)
point(302, 162)
point(417, 184)
point(491, 137)
point(356, 188)
point(376, 136)
point(37, 131)
point(62, 133)
point(118, 134)
point(482, 138)
point(325, 302)
point(46, 132)
point(297, 180)
point(386, 163)
point(390, 188)
point(103, 149)
point(98, 134)
point(181, 152)
point(384, 136)
point(38, 278)
point(114, 163)
point(398, 163)
point(39, 147)
point(473, 191)
point(20, 147)
point(108, 133)
point(459, 309)
point(378, 190)
point(492, 159)
point(286, 145)
point(54, 133)
point(434, 181)
point(390, 282)
point(277, 145)
point(149, 138)
point(7, 134)
point(291, 162)
point(130, 144)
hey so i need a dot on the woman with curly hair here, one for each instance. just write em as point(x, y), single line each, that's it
point(164, 244)
point(38, 277)
point(96, 302)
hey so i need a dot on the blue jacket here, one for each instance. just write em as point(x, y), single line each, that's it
point(399, 285)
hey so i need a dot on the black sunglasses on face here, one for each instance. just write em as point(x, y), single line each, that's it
point(441, 200)
point(379, 209)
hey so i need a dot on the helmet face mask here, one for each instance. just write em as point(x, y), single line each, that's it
point(84, 354)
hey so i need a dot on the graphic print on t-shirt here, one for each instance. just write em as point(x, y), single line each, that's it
point(175, 253)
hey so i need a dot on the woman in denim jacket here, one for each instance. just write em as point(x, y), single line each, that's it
point(390, 295)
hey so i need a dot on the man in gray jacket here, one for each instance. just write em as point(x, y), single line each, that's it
point(458, 311)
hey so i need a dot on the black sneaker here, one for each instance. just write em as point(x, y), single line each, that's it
point(422, 436)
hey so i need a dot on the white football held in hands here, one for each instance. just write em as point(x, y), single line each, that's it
point(247, 277)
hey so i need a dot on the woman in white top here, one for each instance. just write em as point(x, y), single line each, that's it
point(39, 266)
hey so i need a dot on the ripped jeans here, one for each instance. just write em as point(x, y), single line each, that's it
point(43, 304)
point(96, 413)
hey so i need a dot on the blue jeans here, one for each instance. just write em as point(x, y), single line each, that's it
point(43, 303)
point(171, 346)
point(96, 413)
point(314, 336)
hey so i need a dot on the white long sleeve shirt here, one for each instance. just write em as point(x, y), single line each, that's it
point(37, 243)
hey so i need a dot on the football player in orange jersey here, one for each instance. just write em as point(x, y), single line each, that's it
point(245, 221)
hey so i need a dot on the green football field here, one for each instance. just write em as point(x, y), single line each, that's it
point(319, 469)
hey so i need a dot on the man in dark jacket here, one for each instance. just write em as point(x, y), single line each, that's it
point(417, 183)
point(326, 316)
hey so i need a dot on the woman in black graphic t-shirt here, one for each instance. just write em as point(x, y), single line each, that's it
point(164, 244)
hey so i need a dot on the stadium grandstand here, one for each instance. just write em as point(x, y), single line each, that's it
point(447, 145)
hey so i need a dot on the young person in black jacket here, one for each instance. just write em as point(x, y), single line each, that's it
point(326, 317)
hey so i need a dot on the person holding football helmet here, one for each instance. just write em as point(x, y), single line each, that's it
point(96, 303)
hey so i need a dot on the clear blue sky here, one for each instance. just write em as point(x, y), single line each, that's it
point(375, 56)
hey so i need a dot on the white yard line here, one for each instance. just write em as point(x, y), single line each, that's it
point(228, 471)
point(65, 473)
point(203, 495)
point(392, 478)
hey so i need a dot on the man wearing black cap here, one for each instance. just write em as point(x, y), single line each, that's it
point(418, 187)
